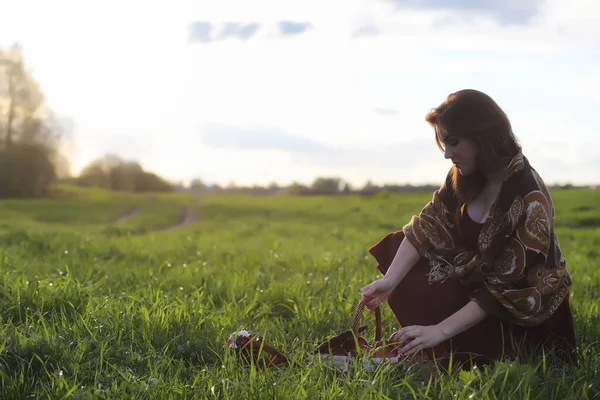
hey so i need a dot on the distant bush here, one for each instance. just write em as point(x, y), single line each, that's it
point(112, 173)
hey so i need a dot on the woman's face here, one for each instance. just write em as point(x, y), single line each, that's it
point(463, 152)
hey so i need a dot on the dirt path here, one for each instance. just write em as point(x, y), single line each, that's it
point(189, 217)
point(127, 215)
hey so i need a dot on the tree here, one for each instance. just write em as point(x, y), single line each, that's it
point(30, 135)
point(197, 182)
point(297, 188)
point(26, 170)
point(197, 186)
point(113, 173)
point(327, 185)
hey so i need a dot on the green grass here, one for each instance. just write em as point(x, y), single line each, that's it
point(96, 309)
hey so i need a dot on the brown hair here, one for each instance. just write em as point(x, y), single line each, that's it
point(471, 114)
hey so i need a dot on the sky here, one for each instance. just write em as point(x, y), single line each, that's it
point(255, 92)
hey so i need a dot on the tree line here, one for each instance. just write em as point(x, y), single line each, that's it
point(319, 186)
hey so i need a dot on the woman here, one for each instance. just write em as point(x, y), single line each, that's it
point(479, 272)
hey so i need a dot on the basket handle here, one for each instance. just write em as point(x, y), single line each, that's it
point(358, 315)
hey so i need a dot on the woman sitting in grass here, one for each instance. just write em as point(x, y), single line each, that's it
point(479, 272)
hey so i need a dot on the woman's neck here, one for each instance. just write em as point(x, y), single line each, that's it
point(495, 177)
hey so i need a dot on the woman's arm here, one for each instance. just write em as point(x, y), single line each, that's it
point(406, 257)
point(471, 314)
point(424, 337)
point(416, 243)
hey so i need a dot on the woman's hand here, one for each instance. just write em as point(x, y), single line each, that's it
point(376, 292)
point(418, 337)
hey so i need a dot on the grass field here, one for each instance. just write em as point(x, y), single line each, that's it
point(94, 307)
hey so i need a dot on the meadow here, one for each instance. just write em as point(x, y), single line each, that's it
point(97, 306)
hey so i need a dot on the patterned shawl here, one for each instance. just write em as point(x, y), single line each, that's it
point(517, 267)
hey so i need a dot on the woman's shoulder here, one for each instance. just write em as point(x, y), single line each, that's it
point(525, 179)
point(525, 191)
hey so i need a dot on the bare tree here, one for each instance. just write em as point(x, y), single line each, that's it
point(30, 135)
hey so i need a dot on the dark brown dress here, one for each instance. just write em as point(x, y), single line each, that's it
point(416, 302)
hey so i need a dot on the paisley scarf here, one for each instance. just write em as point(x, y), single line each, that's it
point(517, 265)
